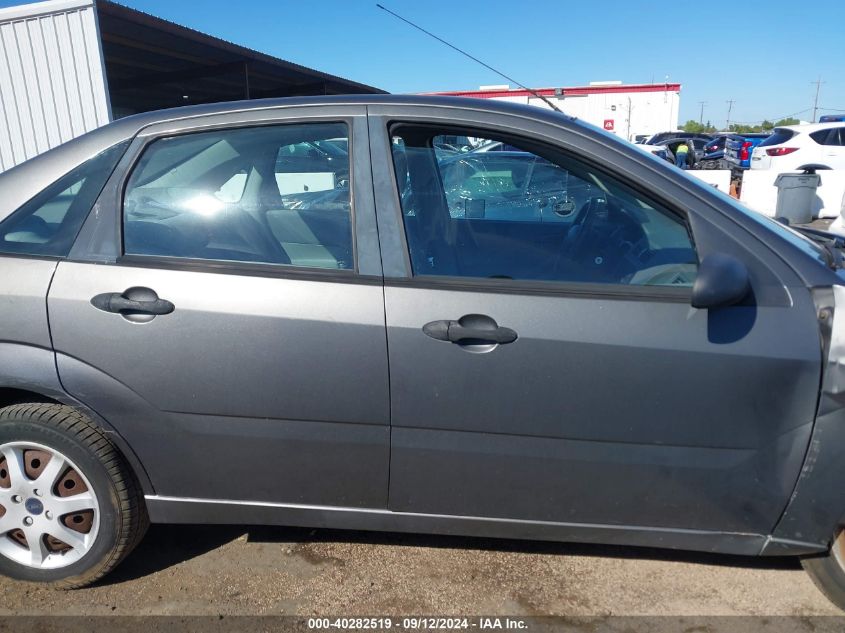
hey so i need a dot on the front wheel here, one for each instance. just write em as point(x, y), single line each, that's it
point(828, 571)
point(70, 508)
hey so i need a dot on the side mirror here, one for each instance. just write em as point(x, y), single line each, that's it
point(722, 280)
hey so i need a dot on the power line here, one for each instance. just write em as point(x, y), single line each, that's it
point(818, 83)
point(730, 103)
point(775, 118)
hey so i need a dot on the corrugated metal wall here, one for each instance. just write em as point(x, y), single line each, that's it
point(52, 79)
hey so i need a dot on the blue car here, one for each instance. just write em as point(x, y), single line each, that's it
point(738, 148)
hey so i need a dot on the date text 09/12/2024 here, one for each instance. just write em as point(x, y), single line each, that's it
point(418, 623)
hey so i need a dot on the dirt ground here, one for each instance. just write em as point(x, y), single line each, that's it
point(187, 570)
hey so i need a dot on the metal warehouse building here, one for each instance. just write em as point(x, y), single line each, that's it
point(627, 110)
point(69, 66)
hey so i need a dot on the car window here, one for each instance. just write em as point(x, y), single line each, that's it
point(48, 224)
point(822, 137)
point(780, 135)
point(835, 136)
point(532, 214)
point(271, 194)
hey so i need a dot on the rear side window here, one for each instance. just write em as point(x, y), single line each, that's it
point(779, 136)
point(272, 194)
point(48, 224)
point(820, 137)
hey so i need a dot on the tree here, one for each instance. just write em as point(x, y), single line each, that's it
point(695, 127)
point(742, 128)
point(692, 126)
point(764, 126)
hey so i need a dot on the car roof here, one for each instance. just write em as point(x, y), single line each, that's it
point(140, 121)
point(128, 127)
point(811, 127)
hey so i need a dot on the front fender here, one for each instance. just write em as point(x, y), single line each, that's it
point(816, 509)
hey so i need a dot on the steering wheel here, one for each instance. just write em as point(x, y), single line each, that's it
point(578, 232)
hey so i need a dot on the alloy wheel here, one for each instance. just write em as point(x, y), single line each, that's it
point(49, 514)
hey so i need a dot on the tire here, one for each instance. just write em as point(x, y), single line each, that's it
point(118, 517)
point(828, 571)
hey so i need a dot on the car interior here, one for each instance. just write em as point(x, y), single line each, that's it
point(605, 234)
point(250, 195)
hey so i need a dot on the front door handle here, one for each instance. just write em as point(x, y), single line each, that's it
point(143, 303)
point(470, 329)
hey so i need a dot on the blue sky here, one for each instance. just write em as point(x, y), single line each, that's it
point(554, 43)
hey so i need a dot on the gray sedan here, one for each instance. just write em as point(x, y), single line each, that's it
point(205, 321)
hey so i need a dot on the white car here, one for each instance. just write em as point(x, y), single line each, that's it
point(793, 146)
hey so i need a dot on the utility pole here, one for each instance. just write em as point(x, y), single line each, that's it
point(730, 103)
point(701, 114)
point(818, 83)
point(629, 118)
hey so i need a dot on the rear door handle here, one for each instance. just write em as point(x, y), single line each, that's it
point(469, 329)
point(142, 302)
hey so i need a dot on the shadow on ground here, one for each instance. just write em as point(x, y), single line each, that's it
point(168, 545)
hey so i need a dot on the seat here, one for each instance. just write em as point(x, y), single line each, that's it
point(320, 238)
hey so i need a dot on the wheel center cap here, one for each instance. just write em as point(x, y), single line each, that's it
point(34, 506)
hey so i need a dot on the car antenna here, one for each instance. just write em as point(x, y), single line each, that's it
point(475, 59)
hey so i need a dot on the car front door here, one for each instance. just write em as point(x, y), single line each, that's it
point(556, 372)
point(234, 332)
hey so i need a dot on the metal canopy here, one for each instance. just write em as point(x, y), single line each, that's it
point(151, 63)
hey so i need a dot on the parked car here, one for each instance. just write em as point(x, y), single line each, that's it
point(738, 148)
point(661, 151)
point(832, 118)
point(179, 349)
point(792, 146)
point(660, 137)
point(714, 154)
point(494, 146)
point(698, 145)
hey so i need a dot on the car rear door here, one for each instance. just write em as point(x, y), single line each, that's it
point(582, 390)
point(223, 309)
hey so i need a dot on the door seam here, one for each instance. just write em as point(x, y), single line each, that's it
point(384, 313)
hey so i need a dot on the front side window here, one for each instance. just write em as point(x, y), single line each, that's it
point(271, 194)
point(48, 224)
point(531, 213)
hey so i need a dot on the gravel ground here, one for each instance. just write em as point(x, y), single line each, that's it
point(186, 570)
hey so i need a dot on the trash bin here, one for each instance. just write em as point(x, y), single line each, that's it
point(796, 194)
